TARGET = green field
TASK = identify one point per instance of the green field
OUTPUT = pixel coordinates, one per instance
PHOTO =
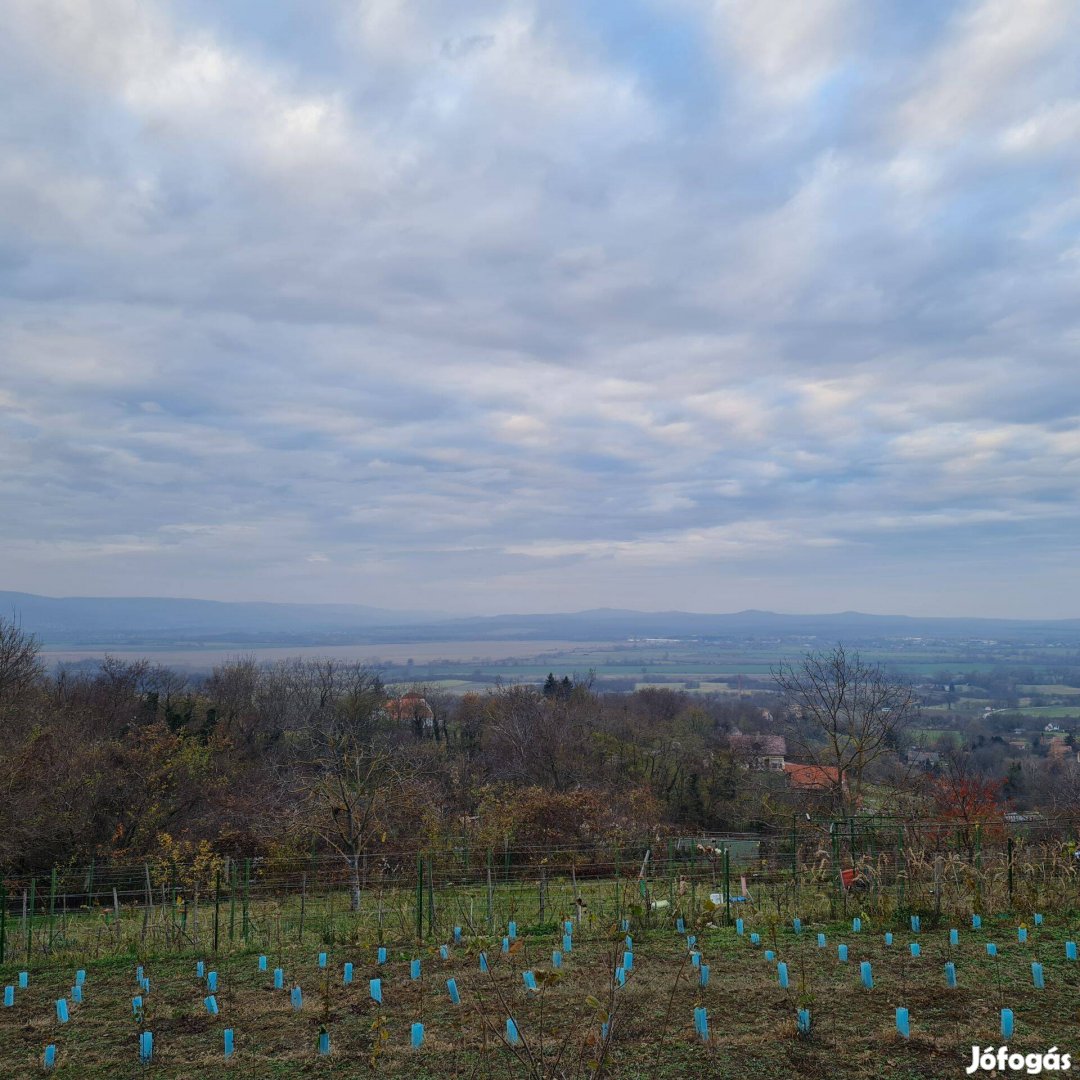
(1049, 712)
(471, 665)
(928, 736)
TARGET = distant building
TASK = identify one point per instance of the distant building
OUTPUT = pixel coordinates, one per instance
(413, 709)
(925, 759)
(1058, 747)
(812, 777)
(759, 752)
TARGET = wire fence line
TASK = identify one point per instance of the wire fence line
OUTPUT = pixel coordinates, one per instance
(431, 893)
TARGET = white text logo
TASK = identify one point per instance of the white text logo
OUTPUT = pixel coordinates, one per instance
(989, 1058)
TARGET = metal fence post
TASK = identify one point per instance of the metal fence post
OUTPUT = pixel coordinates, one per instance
(1010, 858)
(431, 895)
(30, 919)
(217, 905)
(727, 882)
(420, 897)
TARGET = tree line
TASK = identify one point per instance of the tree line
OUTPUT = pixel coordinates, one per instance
(131, 759)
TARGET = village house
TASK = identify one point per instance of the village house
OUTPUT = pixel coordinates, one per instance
(411, 708)
(925, 759)
(812, 777)
(759, 752)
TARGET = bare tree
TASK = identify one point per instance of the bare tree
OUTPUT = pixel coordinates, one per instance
(348, 779)
(20, 663)
(533, 739)
(232, 691)
(844, 717)
(347, 800)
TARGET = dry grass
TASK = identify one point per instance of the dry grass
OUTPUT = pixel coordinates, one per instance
(752, 1020)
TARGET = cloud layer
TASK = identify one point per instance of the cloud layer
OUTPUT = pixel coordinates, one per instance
(538, 305)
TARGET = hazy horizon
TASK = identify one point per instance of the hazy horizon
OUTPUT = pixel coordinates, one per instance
(421, 614)
(526, 307)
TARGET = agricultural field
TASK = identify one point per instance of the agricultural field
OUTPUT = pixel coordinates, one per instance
(752, 1019)
(695, 686)
(793, 980)
(465, 665)
(1049, 712)
(930, 736)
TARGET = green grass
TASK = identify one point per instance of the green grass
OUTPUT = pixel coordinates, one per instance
(1051, 712)
(700, 687)
(928, 736)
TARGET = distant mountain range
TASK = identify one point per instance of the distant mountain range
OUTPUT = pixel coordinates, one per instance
(129, 621)
(106, 619)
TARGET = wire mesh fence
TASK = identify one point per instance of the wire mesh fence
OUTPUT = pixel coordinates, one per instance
(431, 893)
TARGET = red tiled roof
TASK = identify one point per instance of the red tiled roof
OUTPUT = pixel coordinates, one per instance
(409, 707)
(812, 777)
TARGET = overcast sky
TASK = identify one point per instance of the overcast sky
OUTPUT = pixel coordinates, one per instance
(483, 307)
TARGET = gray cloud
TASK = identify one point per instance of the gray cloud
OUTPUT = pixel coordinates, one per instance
(501, 306)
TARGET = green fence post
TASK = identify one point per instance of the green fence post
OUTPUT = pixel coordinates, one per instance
(837, 871)
(671, 876)
(618, 887)
(217, 905)
(901, 868)
(1010, 858)
(232, 900)
(30, 919)
(303, 907)
(3, 922)
(173, 890)
(247, 892)
(431, 896)
(727, 882)
(420, 897)
(693, 878)
(490, 893)
(52, 905)
(794, 853)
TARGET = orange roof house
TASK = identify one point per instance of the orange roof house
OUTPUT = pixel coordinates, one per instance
(411, 707)
(812, 777)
